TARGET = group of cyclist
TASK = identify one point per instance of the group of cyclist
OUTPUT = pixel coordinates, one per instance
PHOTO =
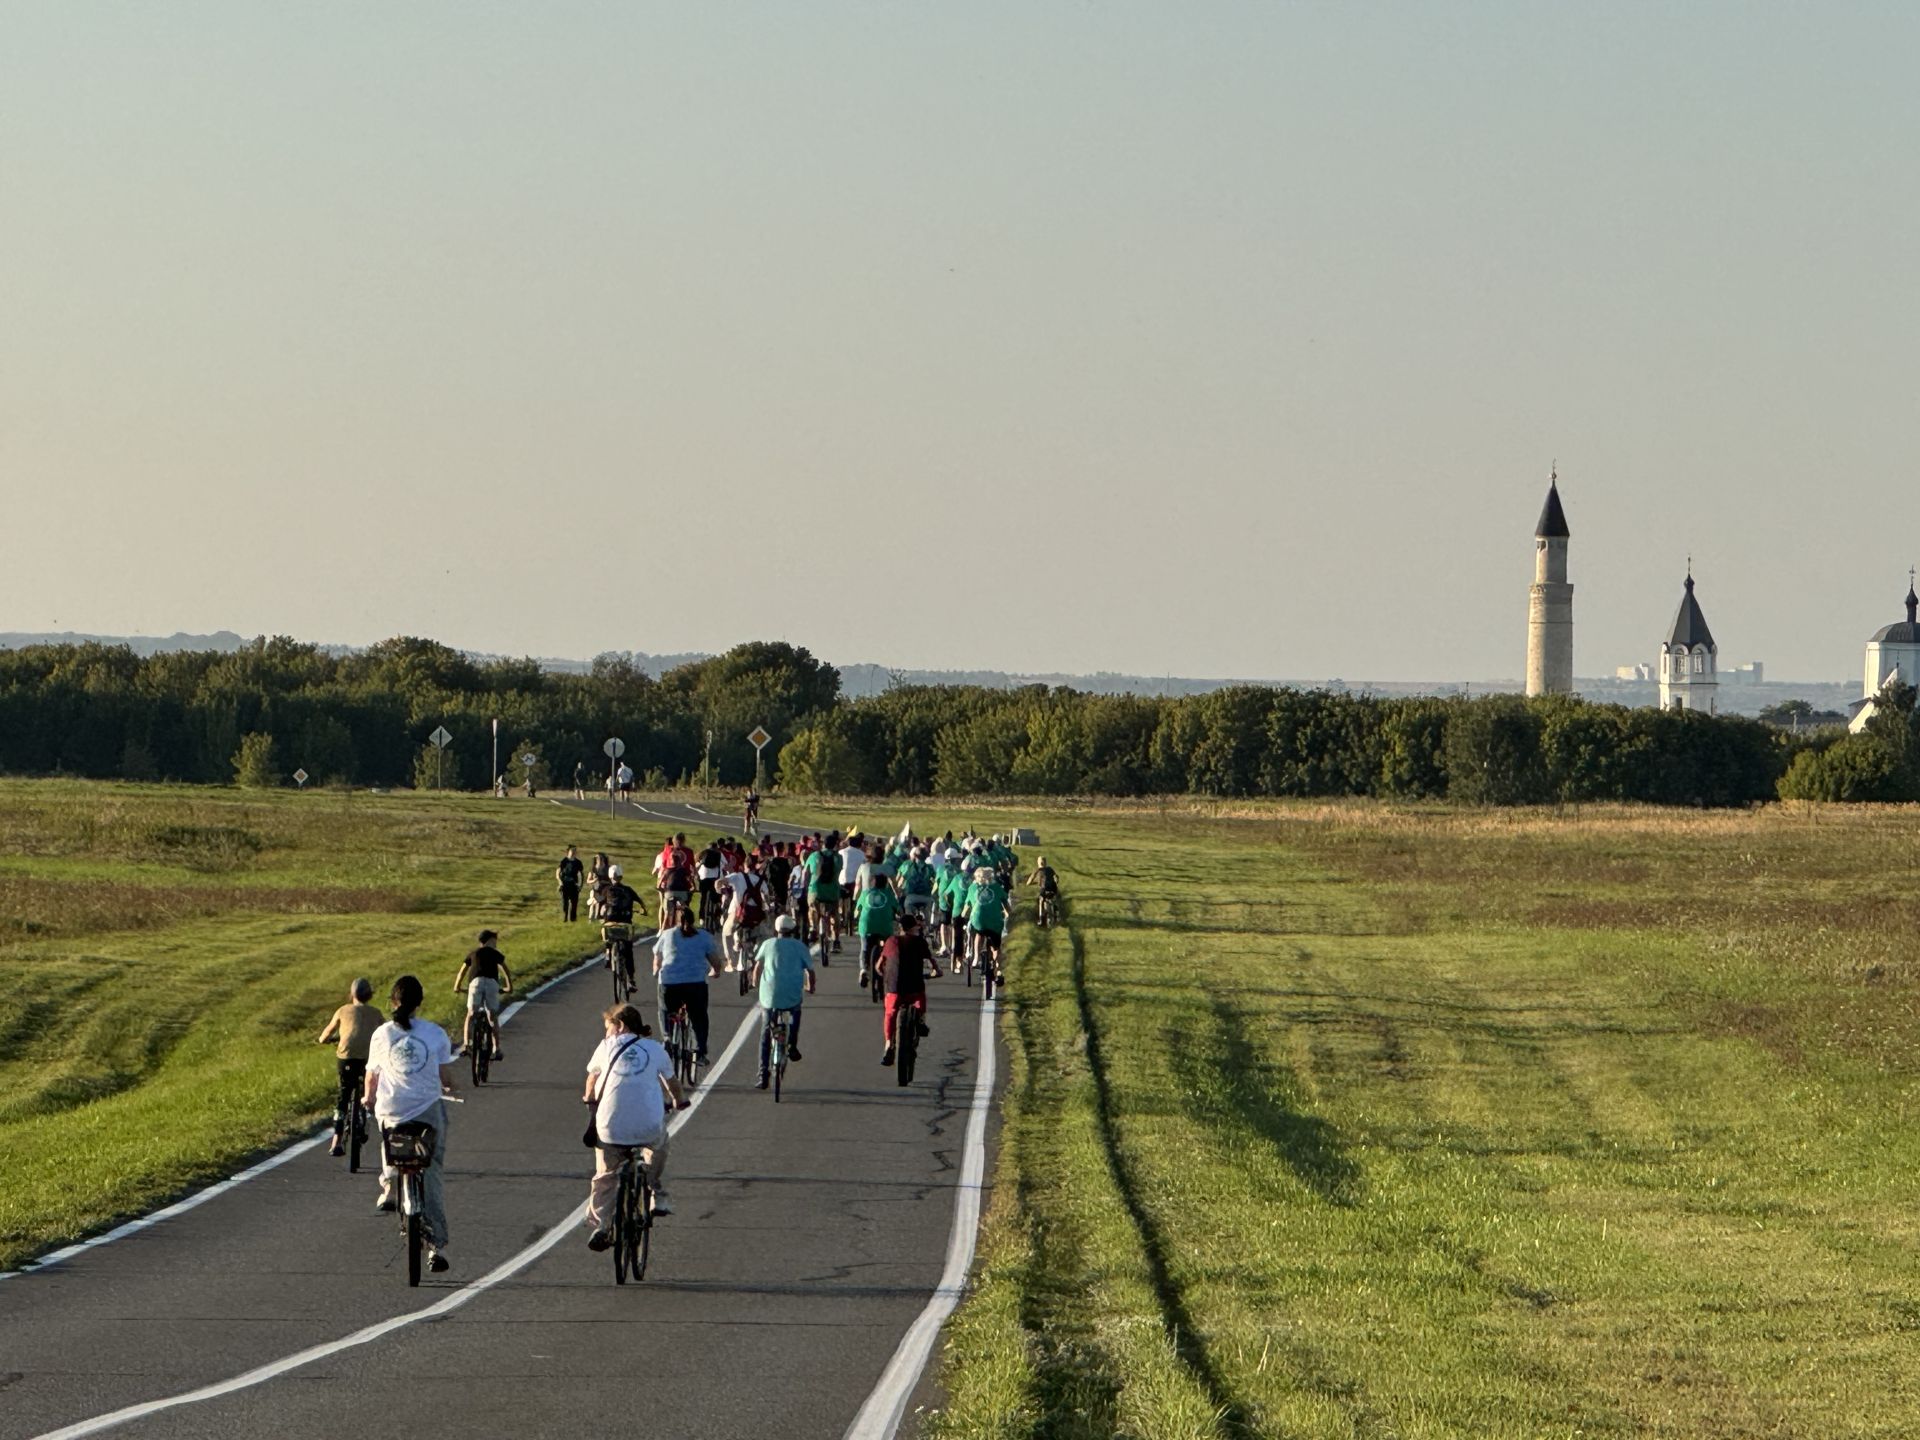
(771, 909)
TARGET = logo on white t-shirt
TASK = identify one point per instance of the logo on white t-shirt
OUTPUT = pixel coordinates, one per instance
(408, 1055)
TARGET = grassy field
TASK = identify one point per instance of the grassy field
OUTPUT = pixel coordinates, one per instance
(1375, 1123)
(169, 954)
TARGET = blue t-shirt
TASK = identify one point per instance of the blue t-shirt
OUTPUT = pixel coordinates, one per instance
(683, 958)
(784, 963)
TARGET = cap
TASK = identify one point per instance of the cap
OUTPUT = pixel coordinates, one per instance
(786, 925)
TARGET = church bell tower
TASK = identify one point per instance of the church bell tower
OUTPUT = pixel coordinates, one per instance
(1550, 602)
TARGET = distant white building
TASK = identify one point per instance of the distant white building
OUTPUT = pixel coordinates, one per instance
(1687, 661)
(1633, 672)
(1892, 654)
(1754, 674)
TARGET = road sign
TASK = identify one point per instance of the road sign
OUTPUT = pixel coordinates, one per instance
(528, 759)
(300, 778)
(440, 737)
(615, 749)
(758, 737)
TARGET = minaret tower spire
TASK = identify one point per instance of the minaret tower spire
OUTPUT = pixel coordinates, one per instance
(1550, 602)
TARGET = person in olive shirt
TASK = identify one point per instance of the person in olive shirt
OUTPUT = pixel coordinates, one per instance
(569, 874)
(485, 977)
(351, 1029)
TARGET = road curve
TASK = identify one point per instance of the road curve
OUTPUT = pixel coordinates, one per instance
(807, 1239)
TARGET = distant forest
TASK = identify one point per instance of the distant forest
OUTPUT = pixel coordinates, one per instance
(273, 706)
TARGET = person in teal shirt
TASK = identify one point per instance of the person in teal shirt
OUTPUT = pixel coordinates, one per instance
(783, 969)
(985, 912)
(915, 879)
(874, 913)
(952, 890)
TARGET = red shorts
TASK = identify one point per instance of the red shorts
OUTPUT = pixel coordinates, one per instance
(918, 1002)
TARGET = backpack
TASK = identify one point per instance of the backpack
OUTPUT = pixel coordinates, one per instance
(753, 905)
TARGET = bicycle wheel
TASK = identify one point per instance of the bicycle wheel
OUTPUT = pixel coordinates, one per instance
(744, 970)
(613, 965)
(357, 1134)
(416, 1234)
(622, 1224)
(989, 972)
(482, 1049)
(966, 962)
(906, 1031)
(641, 1243)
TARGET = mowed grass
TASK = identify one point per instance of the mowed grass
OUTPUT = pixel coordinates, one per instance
(1361, 1122)
(169, 953)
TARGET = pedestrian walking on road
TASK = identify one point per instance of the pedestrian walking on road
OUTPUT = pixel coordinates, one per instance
(569, 874)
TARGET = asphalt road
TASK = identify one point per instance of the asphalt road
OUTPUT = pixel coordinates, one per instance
(807, 1237)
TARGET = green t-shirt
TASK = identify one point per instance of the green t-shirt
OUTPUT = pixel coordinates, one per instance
(916, 877)
(986, 906)
(953, 889)
(874, 912)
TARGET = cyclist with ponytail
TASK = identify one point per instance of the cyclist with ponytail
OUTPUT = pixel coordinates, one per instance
(409, 1067)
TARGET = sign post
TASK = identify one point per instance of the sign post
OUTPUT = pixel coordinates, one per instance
(300, 778)
(441, 739)
(758, 738)
(496, 755)
(615, 749)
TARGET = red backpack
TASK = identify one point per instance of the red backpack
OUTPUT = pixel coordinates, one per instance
(753, 905)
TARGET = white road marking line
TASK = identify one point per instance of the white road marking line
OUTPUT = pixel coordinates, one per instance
(506, 1270)
(252, 1172)
(880, 1417)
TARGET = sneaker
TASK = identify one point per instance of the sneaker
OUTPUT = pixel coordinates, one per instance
(660, 1205)
(437, 1263)
(793, 1052)
(923, 1030)
(761, 1083)
(336, 1148)
(701, 1058)
(600, 1240)
(498, 1057)
(887, 1058)
(386, 1204)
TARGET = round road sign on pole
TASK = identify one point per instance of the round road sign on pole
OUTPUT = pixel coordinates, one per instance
(615, 749)
(528, 759)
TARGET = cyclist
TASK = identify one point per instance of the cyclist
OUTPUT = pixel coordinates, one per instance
(630, 1085)
(675, 869)
(875, 913)
(915, 879)
(853, 854)
(778, 868)
(618, 902)
(569, 873)
(905, 963)
(707, 872)
(351, 1029)
(1043, 875)
(485, 977)
(823, 887)
(684, 957)
(783, 971)
(750, 904)
(752, 811)
(409, 1067)
(985, 912)
(953, 899)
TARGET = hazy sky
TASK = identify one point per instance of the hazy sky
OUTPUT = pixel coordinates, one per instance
(1218, 339)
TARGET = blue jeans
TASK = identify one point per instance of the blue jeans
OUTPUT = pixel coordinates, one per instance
(766, 1037)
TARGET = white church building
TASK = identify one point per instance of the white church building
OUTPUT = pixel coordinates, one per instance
(1892, 654)
(1689, 659)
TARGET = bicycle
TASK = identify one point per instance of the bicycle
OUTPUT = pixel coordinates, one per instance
(990, 977)
(356, 1131)
(409, 1150)
(1047, 914)
(618, 939)
(632, 1221)
(681, 1046)
(778, 1031)
(905, 1040)
(480, 1047)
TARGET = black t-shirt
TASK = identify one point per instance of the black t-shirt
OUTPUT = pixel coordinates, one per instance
(616, 901)
(779, 873)
(903, 963)
(1049, 883)
(484, 963)
(571, 869)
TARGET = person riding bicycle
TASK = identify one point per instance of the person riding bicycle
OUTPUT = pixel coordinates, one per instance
(410, 1065)
(750, 908)
(708, 867)
(684, 957)
(484, 977)
(953, 899)
(823, 891)
(675, 868)
(351, 1029)
(630, 1085)
(905, 962)
(618, 902)
(876, 911)
(985, 913)
(783, 972)
(1043, 875)
(915, 878)
(752, 814)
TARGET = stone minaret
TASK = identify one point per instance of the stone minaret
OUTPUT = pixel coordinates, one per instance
(1550, 603)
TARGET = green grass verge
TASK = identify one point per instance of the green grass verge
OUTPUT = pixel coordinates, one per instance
(1356, 1122)
(170, 952)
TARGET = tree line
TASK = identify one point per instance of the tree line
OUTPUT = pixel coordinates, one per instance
(364, 718)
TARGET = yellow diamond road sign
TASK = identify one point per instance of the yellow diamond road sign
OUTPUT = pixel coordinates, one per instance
(758, 738)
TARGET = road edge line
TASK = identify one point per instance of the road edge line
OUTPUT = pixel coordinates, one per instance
(505, 1270)
(886, 1406)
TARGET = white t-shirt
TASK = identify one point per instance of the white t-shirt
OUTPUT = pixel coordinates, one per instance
(632, 1108)
(407, 1063)
(851, 859)
(739, 881)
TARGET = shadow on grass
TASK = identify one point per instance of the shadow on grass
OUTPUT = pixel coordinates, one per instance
(1240, 1091)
